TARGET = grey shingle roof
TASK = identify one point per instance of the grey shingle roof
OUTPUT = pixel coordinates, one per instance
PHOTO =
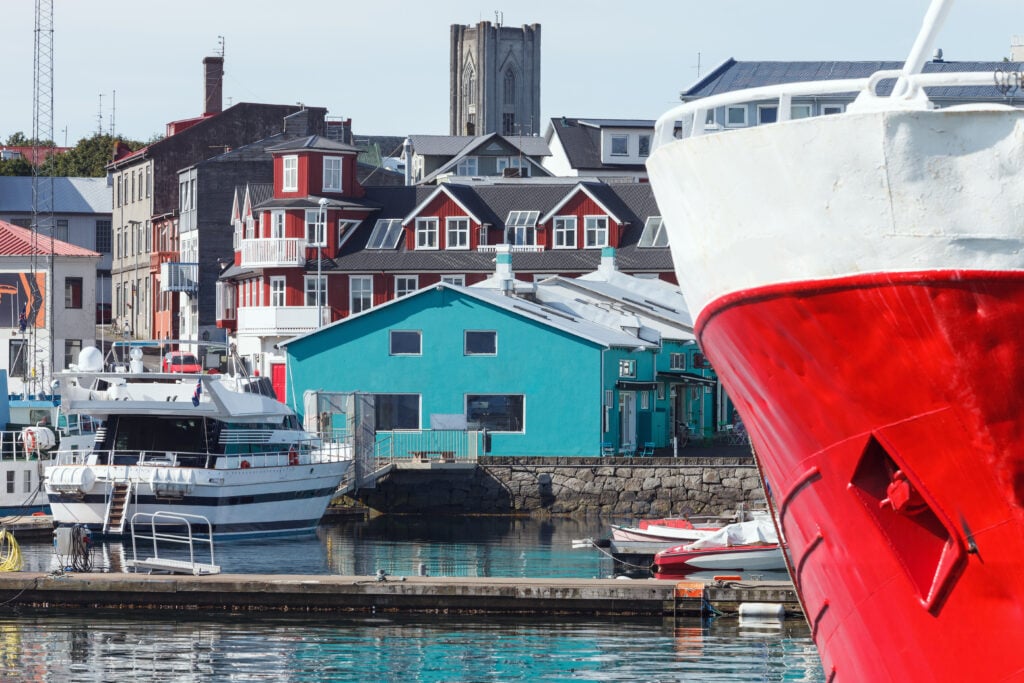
(581, 140)
(313, 142)
(733, 75)
(491, 203)
(450, 145)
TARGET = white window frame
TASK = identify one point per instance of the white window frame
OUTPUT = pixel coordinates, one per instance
(467, 166)
(654, 234)
(524, 227)
(642, 140)
(316, 232)
(459, 280)
(563, 227)
(277, 224)
(364, 289)
(457, 227)
(514, 162)
(332, 174)
(311, 290)
(277, 290)
(346, 226)
(406, 285)
(729, 111)
(627, 367)
(591, 225)
(767, 107)
(827, 109)
(617, 139)
(426, 233)
(800, 111)
(290, 173)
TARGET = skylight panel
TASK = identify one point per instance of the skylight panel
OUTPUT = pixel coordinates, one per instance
(386, 233)
(654, 234)
(522, 219)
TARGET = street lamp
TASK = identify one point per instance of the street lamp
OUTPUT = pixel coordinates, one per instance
(320, 239)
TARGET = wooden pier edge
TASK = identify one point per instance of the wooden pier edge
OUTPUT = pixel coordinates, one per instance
(316, 593)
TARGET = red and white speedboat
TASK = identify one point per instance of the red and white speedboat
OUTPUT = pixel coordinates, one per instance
(857, 282)
(745, 546)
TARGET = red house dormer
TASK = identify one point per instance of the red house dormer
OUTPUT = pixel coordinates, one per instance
(315, 166)
(444, 220)
(584, 219)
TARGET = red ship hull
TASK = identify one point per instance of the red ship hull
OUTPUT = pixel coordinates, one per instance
(887, 411)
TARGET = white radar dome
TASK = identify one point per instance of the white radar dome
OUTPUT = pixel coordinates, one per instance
(90, 359)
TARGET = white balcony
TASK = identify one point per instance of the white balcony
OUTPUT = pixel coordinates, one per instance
(279, 320)
(273, 252)
(179, 277)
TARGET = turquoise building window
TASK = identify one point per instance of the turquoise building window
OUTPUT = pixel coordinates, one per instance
(406, 343)
(481, 343)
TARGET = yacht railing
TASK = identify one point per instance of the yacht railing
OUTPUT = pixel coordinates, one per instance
(162, 526)
(689, 118)
(303, 453)
(909, 86)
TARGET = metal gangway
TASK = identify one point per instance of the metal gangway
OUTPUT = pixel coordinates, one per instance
(157, 535)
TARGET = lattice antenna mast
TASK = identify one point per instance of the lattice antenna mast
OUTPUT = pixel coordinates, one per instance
(40, 304)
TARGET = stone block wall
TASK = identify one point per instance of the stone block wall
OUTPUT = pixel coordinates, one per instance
(610, 487)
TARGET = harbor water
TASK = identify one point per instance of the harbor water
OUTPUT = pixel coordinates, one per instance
(245, 646)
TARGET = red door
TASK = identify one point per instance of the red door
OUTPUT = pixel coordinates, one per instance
(277, 379)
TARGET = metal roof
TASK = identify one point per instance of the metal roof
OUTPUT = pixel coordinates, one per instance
(70, 195)
(18, 241)
(561, 320)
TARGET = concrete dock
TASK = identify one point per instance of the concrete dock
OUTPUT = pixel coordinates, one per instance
(273, 592)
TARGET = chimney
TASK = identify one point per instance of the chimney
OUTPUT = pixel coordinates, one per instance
(297, 124)
(213, 85)
(503, 269)
(407, 157)
(607, 266)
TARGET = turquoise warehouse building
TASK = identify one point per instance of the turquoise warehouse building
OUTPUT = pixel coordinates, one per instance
(539, 379)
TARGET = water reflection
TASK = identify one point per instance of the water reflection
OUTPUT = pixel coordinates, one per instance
(83, 646)
(104, 646)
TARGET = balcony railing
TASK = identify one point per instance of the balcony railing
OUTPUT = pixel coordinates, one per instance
(280, 320)
(179, 277)
(514, 248)
(273, 252)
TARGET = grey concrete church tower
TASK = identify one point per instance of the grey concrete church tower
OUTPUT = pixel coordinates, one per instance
(495, 80)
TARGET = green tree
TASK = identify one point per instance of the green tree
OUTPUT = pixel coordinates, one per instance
(16, 166)
(88, 158)
(19, 140)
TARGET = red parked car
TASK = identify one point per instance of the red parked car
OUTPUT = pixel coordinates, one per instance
(181, 361)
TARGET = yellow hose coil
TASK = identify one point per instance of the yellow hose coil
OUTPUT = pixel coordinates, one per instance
(10, 552)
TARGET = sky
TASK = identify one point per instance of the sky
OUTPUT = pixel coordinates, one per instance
(133, 66)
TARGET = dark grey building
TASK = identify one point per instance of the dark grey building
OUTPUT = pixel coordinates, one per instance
(495, 80)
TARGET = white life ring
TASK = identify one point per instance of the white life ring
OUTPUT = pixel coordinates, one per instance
(29, 437)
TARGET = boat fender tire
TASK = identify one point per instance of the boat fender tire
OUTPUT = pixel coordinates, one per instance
(244, 465)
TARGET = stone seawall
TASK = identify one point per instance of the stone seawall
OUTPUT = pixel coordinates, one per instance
(620, 487)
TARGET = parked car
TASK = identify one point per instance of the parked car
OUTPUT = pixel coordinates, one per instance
(181, 361)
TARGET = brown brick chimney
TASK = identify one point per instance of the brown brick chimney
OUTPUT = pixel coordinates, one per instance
(213, 87)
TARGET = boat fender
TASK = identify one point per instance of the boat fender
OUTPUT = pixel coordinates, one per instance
(763, 610)
(244, 465)
(293, 457)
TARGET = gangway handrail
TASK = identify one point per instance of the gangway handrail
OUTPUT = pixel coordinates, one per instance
(166, 564)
